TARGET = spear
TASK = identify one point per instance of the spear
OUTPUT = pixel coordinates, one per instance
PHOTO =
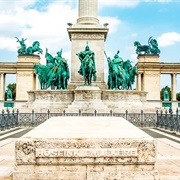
(106, 55)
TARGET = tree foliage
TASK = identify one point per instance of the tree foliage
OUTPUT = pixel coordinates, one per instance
(162, 92)
(178, 96)
(12, 87)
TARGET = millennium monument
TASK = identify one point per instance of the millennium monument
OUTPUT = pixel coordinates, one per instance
(87, 90)
(85, 148)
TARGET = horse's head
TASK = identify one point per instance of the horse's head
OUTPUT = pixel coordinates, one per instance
(137, 43)
(36, 44)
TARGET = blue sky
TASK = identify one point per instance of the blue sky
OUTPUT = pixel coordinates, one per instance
(129, 21)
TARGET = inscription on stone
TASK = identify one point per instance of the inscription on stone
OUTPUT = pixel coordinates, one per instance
(122, 152)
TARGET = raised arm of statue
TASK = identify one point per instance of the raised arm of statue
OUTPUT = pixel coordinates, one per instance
(22, 49)
(21, 41)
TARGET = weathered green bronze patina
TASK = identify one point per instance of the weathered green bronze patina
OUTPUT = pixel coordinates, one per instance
(30, 50)
(87, 67)
(151, 48)
(166, 95)
(22, 49)
(34, 48)
(8, 104)
(9, 94)
(121, 74)
(55, 73)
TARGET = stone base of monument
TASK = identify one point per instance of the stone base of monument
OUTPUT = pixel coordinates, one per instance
(53, 100)
(122, 100)
(88, 99)
(88, 148)
(73, 85)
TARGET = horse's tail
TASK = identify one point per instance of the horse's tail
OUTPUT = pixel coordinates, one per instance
(94, 77)
(149, 41)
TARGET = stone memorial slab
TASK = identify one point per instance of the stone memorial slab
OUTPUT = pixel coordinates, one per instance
(85, 148)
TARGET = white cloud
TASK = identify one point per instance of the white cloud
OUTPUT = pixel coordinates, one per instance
(133, 57)
(120, 3)
(8, 43)
(127, 3)
(168, 39)
(134, 35)
(10, 6)
(114, 23)
(160, 1)
(49, 26)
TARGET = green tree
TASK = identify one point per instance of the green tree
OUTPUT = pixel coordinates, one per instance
(162, 92)
(12, 87)
(178, 96)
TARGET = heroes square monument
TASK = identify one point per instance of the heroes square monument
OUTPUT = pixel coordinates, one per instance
(85, 148)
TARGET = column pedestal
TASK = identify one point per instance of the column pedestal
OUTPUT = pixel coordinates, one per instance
(87, 29)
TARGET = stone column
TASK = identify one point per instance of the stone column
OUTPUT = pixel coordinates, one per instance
(139, 82)
(173, 87)
(88, 12)
(150, 79)
(25, 79)
(2, 86)
(87, 29)
(37, 86)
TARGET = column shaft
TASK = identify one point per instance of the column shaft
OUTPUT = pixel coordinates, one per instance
(88, 12)
(139, 82)
(2, 86)
(173, 86)
(37, 86)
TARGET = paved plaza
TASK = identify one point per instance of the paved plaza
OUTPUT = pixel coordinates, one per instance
(168, 156)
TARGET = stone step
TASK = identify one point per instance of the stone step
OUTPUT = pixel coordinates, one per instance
(88, 106)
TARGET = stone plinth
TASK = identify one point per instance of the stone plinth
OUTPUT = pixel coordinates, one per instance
(85, 148)
(87, 99)
(122, 100)
(88, 29)
(29, 59)
(54, 100)
(149, 72)
(25, 76)
(148, 58)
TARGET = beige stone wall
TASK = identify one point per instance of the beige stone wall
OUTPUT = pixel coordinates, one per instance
(25, 82)
(151, 84)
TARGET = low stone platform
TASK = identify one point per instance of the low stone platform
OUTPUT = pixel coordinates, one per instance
(87, 99)
(54, 100)
(85, 149)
